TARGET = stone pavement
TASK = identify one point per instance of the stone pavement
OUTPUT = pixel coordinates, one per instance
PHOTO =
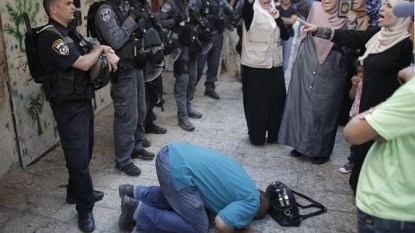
(33, 199)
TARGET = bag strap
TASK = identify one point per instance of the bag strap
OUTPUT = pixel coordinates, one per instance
(314, 204)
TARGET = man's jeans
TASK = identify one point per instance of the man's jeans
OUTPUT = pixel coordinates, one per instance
(286, 51)
(164, 209)
(370, 224)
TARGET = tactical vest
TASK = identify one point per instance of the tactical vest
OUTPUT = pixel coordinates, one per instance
(130, 50)
(70, 84)
(211, 10)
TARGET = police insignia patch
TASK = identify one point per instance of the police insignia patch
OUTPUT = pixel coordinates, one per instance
(105, 14)
(165, 8)
(60, 47)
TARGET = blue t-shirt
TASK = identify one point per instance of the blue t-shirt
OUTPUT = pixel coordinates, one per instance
(226, 188)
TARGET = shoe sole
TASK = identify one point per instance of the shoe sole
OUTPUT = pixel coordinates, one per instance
(124, 213)
(189, 130)
(129, 174)
(157, 131)
(320, 161)
(195, 117)
(213, 97)
(345, 171)
(143, 158)
(295, 153)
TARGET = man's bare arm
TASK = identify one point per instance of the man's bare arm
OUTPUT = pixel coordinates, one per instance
(223, 228)
(358, 131)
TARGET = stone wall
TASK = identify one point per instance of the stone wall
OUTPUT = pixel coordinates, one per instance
(28, 127)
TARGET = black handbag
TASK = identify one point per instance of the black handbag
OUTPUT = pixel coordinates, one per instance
(285, 209)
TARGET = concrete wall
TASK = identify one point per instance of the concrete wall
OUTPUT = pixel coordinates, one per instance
(28, 127)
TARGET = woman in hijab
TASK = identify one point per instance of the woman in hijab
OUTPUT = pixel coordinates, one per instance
(357, 19)
(388, 50)
(263, 82)
(309, 122)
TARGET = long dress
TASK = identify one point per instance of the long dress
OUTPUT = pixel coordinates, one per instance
(314, 97)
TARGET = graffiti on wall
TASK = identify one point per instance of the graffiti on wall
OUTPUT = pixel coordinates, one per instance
(36, 108)
(16, 16)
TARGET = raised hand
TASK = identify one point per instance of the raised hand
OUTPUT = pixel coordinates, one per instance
(308, 27)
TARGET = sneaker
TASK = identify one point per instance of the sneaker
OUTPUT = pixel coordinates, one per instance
(142, 154)
(186, 125)
(212, 94)
(347, 168)
(131, 169)
(153, 128)
(126, 221)
(126, 190)
(146, 143)
(194, 114)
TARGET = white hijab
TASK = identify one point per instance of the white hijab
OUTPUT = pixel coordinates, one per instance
(389, 36)
(259, 10)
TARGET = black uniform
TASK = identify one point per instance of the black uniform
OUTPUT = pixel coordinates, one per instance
(174, 16)
(70, 94)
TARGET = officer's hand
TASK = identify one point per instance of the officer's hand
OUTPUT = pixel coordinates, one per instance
(112, 60)
(135, 14)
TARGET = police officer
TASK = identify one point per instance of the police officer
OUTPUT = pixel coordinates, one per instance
(154, 88)
(174, 16)
(69, 92)
(214, 11)
(117, 22)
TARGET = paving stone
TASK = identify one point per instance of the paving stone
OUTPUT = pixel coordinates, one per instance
(33, 199)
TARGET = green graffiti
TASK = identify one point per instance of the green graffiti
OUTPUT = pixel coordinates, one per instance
(36, 108)
(16, 15)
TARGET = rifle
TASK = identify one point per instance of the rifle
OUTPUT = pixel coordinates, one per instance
(35, 67)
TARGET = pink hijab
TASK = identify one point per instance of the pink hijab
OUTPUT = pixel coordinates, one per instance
(329, 19)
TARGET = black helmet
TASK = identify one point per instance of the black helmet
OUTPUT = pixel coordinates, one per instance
(99, 73)
(153, 48)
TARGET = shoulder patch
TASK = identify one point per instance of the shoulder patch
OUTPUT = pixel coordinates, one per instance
(105, 14)
(165, 8)
(60, 47)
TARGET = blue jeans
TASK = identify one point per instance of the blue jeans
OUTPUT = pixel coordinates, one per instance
(128, 96)
(370, 224)
(286, 50)
(165, 209)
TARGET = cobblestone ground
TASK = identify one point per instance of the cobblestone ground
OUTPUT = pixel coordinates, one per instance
(33, 199)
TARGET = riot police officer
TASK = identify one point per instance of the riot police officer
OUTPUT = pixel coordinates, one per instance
(117, 23)
(174, 15)
(214, 11)
(153, 88)
(67, 88)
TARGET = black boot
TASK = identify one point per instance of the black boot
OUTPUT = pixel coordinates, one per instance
(86, 222)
